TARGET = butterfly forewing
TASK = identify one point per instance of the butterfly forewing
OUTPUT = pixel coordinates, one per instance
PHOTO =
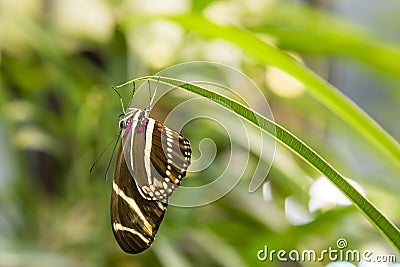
(135, 220)
(129, 130)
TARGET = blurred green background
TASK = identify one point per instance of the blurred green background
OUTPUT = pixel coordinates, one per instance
(58, 61)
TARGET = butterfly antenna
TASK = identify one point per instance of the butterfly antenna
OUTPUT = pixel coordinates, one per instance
(148, 108)
(152, 96)
(133, 88)
(101, 154)
(112, 156)
(120, 99)
(133, 93)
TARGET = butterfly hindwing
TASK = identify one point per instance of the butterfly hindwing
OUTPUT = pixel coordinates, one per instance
(135, 220)
(157, 156)
(170, 157)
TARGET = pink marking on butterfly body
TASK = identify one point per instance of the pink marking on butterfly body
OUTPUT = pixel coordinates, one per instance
(128, 128)
(144, 123)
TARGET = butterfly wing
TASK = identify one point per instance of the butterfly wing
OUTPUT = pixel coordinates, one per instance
(135, 220)
(157, 156)
(170, 157)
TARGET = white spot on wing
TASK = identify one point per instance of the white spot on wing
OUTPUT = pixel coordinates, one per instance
(161, 206)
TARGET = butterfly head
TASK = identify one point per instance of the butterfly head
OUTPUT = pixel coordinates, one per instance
(133, 115)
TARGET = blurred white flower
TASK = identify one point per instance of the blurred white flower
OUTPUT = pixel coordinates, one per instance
(267, 194)
(223, 52)
(376, 264)
(160, 6)
(223, 12)
(281, 83)
(91, 19)
(340, 264)
(158, 43)
(323, 193)
(296, 213)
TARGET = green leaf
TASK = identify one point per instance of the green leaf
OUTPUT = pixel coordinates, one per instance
(383, 224)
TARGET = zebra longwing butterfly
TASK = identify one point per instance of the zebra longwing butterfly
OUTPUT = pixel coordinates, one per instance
(151, 162)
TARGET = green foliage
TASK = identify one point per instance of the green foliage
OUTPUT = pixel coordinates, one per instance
(58, 61)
